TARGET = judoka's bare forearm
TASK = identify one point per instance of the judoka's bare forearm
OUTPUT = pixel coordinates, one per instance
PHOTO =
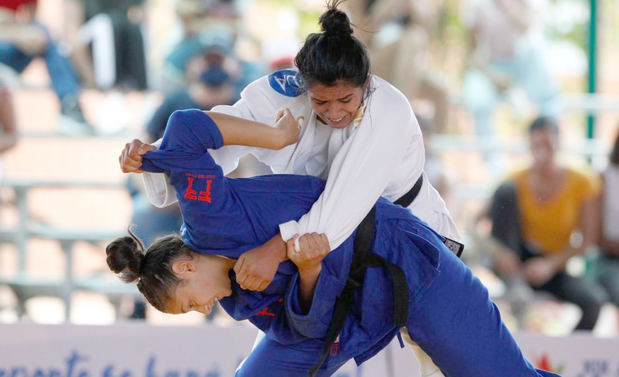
(239, 131)
(307, 284)
(307, 255)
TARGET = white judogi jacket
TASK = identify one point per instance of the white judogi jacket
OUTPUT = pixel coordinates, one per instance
(381, 153)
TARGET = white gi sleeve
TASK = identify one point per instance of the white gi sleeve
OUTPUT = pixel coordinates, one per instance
(158, 190)
(363, 168)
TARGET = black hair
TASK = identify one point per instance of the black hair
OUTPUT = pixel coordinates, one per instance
(545, 123)
(151, 268)
(614, 153)
(334, 54)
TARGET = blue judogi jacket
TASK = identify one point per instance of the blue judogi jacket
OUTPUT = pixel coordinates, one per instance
(228, 216)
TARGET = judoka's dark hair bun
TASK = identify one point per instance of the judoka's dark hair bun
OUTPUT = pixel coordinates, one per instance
(335, 54)
(334, 22)
(124, 258)
(152, 268)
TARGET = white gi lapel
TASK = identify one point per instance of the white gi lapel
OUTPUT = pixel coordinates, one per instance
(300, 107)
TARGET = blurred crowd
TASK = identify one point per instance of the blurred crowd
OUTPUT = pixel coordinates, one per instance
(537, 221)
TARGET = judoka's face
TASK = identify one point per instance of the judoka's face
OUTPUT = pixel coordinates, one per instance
(204, 279)
(336, 104)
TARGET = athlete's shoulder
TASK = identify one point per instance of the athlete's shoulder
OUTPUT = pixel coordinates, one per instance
(286, 82)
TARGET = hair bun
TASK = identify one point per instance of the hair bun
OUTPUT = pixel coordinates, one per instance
(124, 258)
(335, 22)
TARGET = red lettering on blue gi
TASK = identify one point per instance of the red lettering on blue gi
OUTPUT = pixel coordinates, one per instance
(265, 312)
(193, 194)
(335, 349)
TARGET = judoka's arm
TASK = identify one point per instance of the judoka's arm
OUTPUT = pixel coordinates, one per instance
(255, 104)
(308, 259)
(312, 293)
(234, 131)
(239, 131)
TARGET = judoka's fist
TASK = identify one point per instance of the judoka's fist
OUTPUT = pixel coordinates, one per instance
(131, 157)
(289, 127)
(309, 251)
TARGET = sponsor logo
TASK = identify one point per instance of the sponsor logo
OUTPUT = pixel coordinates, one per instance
(544, 363)
(286, 82)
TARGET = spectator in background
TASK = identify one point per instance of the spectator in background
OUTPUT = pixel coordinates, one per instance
(207, 25)
(113, 29)
(107, 40)
(607, 266)
(397, 33)
(8, 135)
(504, 55)
(534, 215)
(22, 39)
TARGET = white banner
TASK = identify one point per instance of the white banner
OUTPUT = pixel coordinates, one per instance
(578, 355)
(141, 350)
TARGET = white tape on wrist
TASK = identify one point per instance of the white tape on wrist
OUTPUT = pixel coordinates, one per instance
(297, 247)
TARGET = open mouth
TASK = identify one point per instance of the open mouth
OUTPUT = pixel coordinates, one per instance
(337, 120)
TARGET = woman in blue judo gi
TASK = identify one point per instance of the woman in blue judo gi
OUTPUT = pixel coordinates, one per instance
(447, 312)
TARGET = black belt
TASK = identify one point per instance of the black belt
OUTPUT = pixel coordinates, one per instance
(362, 259)
(408, 198)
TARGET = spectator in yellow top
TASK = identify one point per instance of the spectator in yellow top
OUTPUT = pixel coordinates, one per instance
(534, 216)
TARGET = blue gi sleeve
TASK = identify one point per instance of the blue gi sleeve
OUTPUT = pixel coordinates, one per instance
(191, 131)
(315, 322)
(188, 136)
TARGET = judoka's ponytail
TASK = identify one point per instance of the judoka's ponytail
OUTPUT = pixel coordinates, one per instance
(335, 54)
(151, 268)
